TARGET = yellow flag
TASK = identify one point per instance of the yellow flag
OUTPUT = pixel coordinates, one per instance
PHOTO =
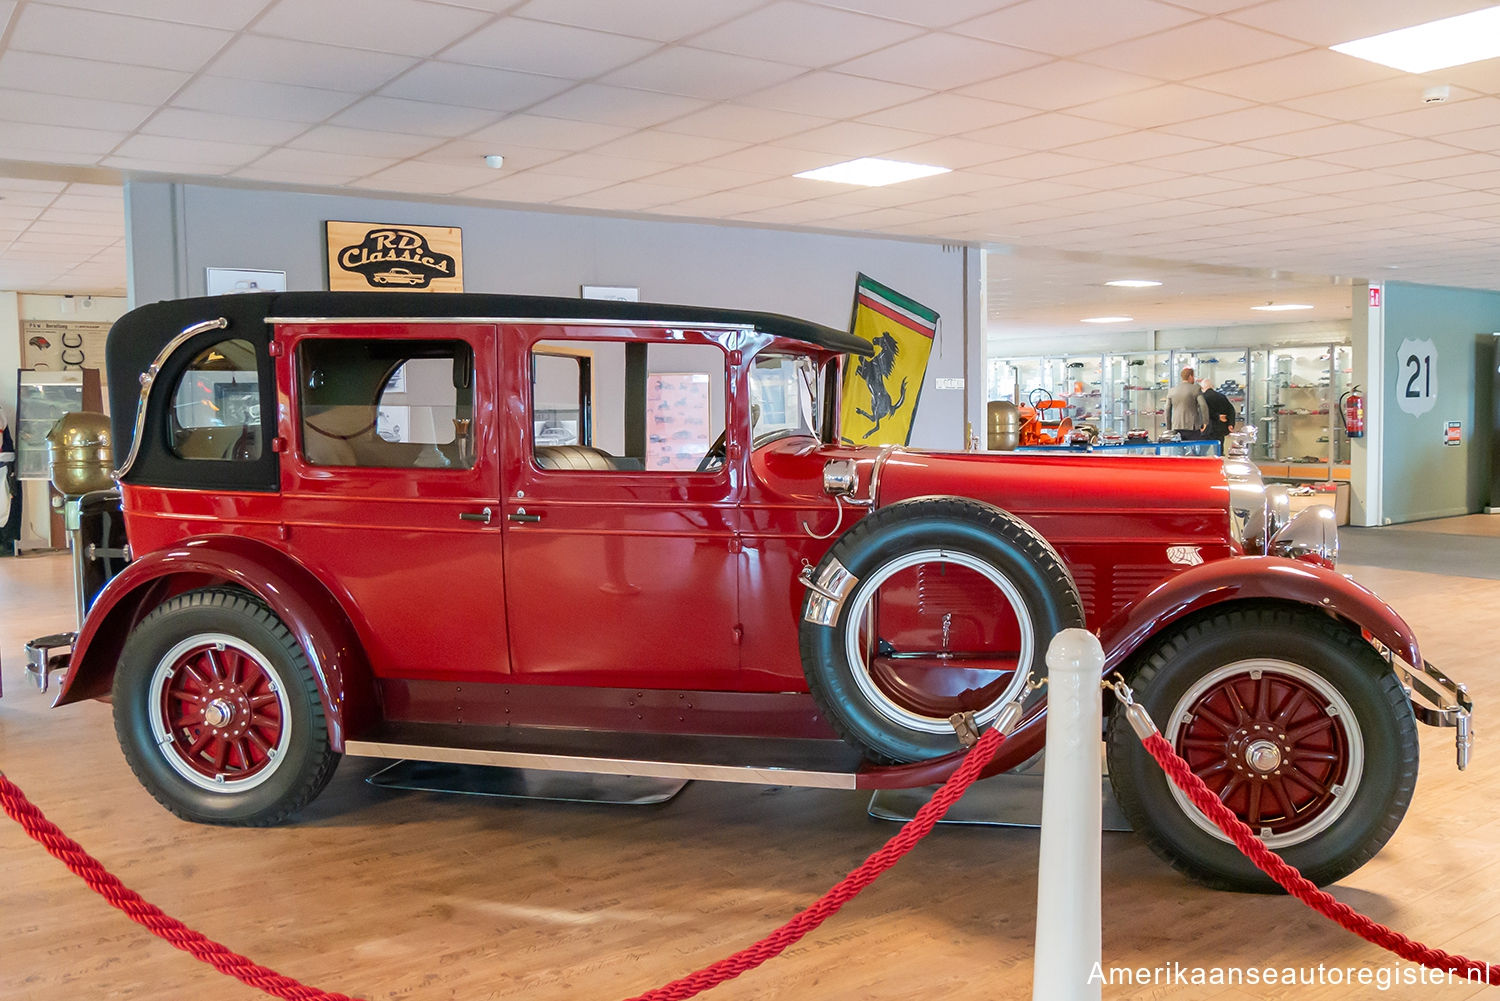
(880, 393)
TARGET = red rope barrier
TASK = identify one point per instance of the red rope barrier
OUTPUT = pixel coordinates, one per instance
(91, 871)
(1298, 885)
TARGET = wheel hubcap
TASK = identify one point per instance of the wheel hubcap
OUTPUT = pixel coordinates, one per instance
(219, 712)
(1276, 742)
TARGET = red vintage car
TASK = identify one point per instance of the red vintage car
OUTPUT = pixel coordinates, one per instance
(626, 537)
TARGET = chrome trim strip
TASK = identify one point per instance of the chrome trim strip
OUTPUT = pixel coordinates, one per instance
(1312, 535)
(802, 778)
(149, 376)
(538, 320)
(1449, 704)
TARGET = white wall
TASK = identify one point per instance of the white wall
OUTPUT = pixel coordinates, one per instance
(175, 231)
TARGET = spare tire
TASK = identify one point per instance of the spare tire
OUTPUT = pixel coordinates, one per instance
(947, 605)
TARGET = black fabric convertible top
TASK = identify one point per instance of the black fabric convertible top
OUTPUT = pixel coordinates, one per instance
(139, 336)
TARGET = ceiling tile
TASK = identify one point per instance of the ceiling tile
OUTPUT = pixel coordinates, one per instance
(1117, 176)
(709, 178)
(306, 64)
(653, 144)
(1441, 119)
(54, 109)
(421, 118)
(772, 160)
(803, 34)
(632, 196)
(63, 31)
(733, 121)
(854, 139)
(548, 133)
(1209, 46)
(1282, 171)
(1038, 166)
(57, 138)
(613, 169)
(426, 178)
(833, 95)
(1422, 157)
(168, 148)
(338, 139)
(1134, 146)
(1336, 21)
(173, 165)
(663, 20)
(1214, 158)
(1325, 139)
(474, 86)
(700, 73)
(1060, 84)
(1048, 131)
(940, 61)
(1067, 27)
(953, 152)
(263, 100)
(947, 114)
(552, 49)
(617, 106)
(1248, 123)
(1385, 97)
(185, 123)
(32, 71)
(724, 203)
(929, 15)
(1159, 106)
(469, 154)
(407, 27)
(345, 165)
(1485, 140)
(1313, 71)
(231, 14)
(534, 186)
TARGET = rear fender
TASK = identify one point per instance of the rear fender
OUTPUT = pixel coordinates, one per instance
(313, 615)
(1255, 578)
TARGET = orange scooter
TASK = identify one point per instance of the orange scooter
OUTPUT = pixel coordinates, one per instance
(1039, 430)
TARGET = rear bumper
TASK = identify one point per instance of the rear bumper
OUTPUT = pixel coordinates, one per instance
(1438, 700)
(42, 663)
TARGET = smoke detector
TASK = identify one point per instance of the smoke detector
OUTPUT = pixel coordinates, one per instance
(1435, 95)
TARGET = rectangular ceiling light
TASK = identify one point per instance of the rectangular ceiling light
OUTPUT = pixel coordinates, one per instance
(872, 172)
(1436, 45)
(1282, 307)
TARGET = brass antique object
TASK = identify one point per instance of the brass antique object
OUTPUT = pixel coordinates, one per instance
(82, 460)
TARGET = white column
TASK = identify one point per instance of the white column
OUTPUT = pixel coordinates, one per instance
(1069, 936)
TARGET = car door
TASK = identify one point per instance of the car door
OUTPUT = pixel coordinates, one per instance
(391, 490)
(620, 526)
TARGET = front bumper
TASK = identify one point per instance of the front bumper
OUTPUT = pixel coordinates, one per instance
(1443, 702)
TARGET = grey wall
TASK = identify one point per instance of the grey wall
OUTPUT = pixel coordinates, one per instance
(175, 231)
(1421, 477)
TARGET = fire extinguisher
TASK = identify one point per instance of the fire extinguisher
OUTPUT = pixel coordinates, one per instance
(1352, 413)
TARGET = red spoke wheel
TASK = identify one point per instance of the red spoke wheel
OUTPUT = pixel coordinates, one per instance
(218, 711)
(1293, 719)
(1275, 741)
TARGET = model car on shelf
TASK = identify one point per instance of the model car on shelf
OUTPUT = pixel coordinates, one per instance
(783, 608)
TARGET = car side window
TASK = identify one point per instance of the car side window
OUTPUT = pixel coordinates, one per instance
(386, 403)
(627, 406)
(216, 405)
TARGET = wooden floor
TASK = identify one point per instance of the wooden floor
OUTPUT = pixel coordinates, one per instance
(390, 895)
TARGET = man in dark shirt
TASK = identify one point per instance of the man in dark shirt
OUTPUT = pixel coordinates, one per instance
(1221, 414)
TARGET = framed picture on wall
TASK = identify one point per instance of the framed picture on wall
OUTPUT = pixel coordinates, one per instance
(678, 406)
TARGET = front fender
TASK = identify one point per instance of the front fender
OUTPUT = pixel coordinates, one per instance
(1256, 578)
(307, 608)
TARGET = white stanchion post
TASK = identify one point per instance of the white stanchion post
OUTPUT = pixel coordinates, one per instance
(1069, 934)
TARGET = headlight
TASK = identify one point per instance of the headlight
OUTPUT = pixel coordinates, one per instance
(1256, 511)
(1313, 536)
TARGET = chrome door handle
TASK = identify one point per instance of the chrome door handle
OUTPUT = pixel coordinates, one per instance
(482, 517)
(520, 515)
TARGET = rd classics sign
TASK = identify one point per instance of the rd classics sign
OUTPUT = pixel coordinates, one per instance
(363, 256)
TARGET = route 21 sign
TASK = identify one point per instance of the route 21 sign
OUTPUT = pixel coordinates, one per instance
(1416, 376)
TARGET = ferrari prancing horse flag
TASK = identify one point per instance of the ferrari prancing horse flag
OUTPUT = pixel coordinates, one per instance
(881, 392)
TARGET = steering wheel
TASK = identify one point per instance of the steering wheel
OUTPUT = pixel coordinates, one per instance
(714, 457)
(1031, 397)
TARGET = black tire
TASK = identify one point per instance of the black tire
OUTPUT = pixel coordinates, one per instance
(1345, 712)
(871, 711)
(258, 750)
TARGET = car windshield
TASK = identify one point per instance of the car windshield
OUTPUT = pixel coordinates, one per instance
(783, 395)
